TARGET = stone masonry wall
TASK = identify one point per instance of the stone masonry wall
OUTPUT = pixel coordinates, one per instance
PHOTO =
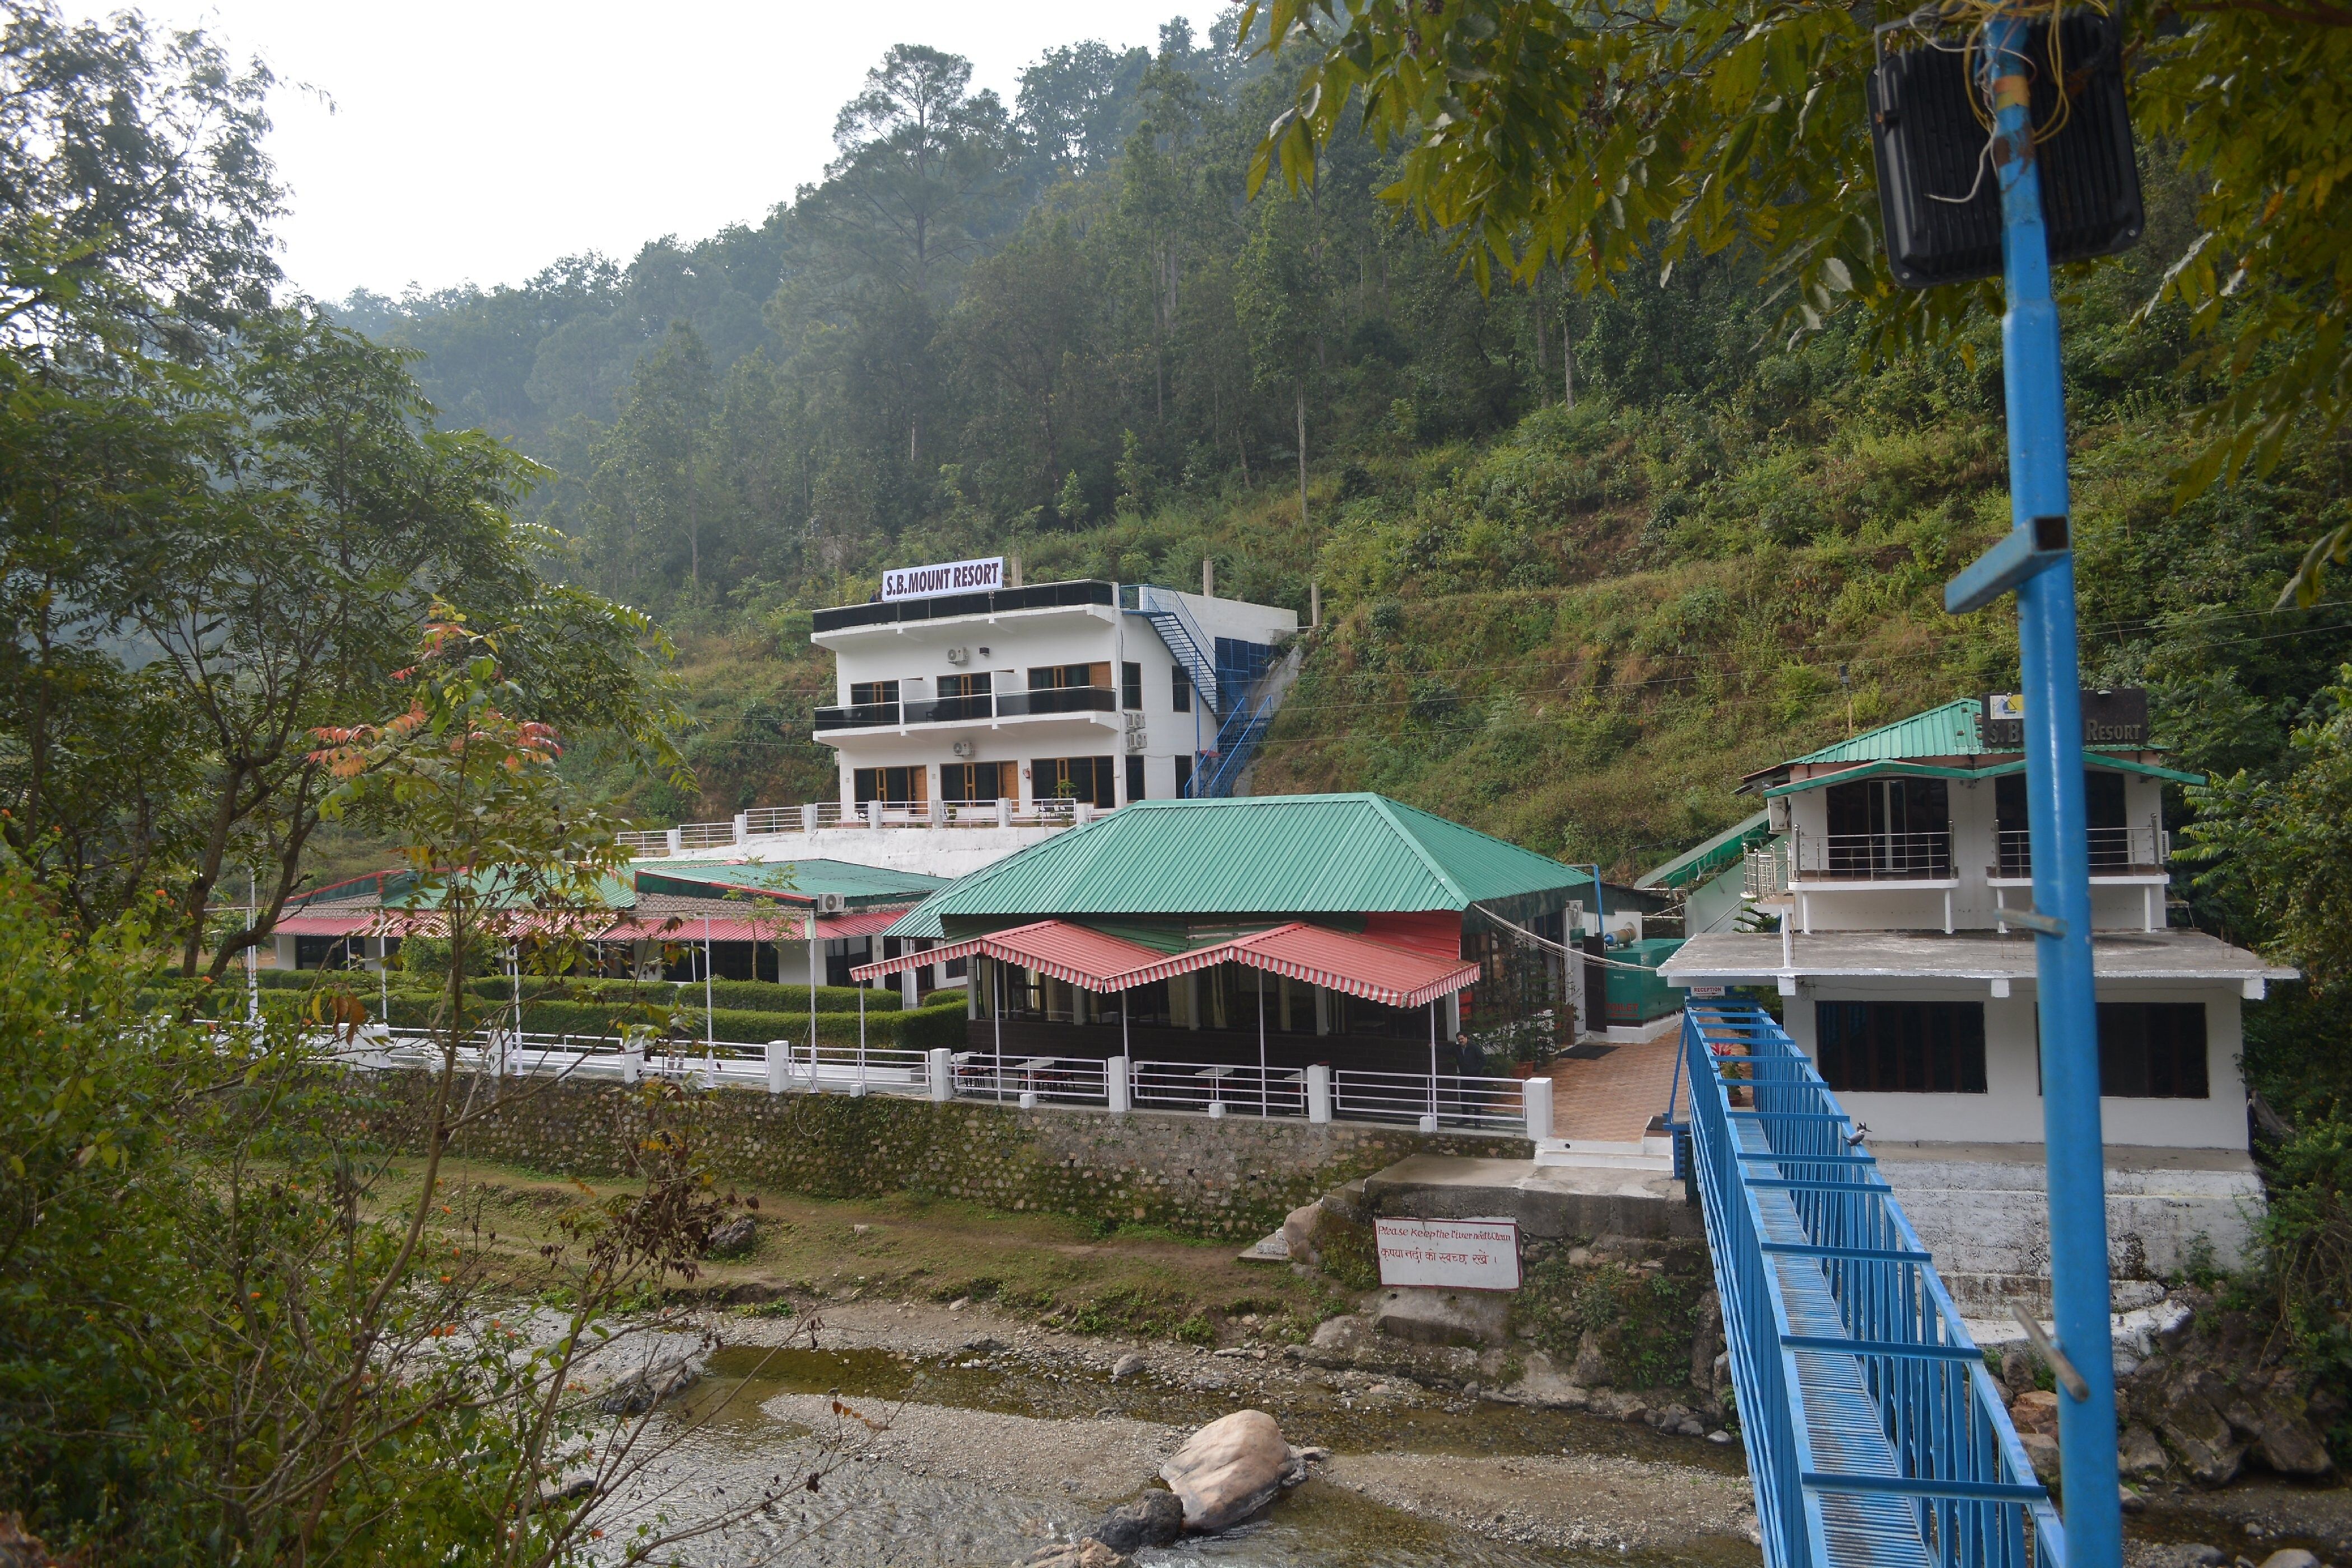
(1233, 1177)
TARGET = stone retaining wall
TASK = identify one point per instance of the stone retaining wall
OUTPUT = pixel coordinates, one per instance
(1235, 1176)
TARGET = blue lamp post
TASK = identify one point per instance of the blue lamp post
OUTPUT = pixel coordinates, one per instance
(2035, 560)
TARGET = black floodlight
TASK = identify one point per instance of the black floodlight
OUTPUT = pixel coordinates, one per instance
(1930, 144)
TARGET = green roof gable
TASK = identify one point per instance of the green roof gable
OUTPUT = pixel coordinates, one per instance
(1262, 854)
(1947, 731)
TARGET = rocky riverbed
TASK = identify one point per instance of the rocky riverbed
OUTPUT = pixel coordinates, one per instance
(964, 1437)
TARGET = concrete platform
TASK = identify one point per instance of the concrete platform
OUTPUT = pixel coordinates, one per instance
(1550, 1202)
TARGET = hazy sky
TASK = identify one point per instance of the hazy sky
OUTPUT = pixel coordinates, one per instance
(481, 140)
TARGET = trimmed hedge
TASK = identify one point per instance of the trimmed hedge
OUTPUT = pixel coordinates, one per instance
(924, 1028)
(739, 996)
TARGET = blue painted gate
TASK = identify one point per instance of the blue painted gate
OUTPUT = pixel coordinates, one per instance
(1874, 1433)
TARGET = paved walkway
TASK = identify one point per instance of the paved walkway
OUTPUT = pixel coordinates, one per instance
(1611, 1099)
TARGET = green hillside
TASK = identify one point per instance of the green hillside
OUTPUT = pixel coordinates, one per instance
(1575, 626)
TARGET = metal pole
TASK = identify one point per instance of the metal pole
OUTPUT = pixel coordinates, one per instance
(709, 1023)
(2051, 683)
(861, 1039)
(999, 1070)
(1433, 1061)
(1264, 1100)
(816, 978)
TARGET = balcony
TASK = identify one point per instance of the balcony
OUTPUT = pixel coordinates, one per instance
(983, 709)
(1850, 859)
(2120, 854)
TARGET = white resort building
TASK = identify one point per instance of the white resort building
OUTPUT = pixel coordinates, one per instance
(1888, 860)
(1062, 693)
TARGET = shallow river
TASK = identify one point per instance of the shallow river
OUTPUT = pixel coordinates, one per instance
(982, 1464)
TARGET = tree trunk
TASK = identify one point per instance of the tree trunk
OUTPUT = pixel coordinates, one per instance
(1302, 455)
(1567, 361)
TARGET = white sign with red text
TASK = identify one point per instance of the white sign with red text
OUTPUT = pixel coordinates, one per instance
(948, 577)
(1451, 1254)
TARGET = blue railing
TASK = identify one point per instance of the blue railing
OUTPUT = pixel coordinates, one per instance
(1237, 739)
(1874, 1433)
(1193, 648)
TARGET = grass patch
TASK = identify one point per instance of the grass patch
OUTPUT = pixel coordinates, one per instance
(1136, 1281)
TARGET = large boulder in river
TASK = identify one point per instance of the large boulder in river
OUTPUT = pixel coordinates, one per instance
(1232, 1468)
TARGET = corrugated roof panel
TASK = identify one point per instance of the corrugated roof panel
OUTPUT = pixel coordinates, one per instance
(1695, 863)
(1947, 731)
(1336, 960)
(1275, 854)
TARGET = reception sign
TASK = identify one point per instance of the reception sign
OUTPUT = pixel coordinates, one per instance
(1450, 1254)
(948, 577)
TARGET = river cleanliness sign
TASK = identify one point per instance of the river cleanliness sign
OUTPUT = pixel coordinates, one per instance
(948, 577)
(1450, 1254)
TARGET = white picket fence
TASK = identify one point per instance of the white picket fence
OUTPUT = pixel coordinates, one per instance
(1316, 1094)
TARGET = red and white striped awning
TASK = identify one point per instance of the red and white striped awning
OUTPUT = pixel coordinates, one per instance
(1337, 960)
(1075, 955)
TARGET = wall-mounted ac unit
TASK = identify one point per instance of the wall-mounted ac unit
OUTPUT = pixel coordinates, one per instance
(831, 903)
(961, 749)
(958, 655)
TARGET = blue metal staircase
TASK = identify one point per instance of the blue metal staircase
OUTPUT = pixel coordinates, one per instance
(1237, 740)
(1193, 648)
(1874, 1435)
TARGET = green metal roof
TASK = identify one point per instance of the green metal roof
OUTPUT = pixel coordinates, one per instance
(1947, 731)
(791, 881)
(1698, 865)
(1262, 854)
(1993, 770)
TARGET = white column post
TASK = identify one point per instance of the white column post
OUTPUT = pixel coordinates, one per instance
(1536, 1101)
(808, 817)
(780, 1065)
(1319, 1092)
(1003, 812)
(677, 839)
(874, 814)
(633, 1055)
(1117, 1090)
(742, 826)
(942, 1074)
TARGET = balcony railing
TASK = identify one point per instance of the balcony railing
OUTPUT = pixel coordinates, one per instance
(689, 837)
(951, 606)
(858, 716)
(1057, 699)
(1872, 857)
(2114, 851)
(1041, 702)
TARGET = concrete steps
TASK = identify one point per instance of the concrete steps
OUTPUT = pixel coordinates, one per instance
(1650, 1154)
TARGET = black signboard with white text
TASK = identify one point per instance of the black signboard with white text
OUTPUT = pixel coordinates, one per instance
(2117, 717)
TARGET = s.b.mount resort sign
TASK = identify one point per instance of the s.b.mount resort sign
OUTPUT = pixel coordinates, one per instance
(2110, 717)
(947, 577)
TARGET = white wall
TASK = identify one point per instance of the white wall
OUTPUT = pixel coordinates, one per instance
(2010, 1111)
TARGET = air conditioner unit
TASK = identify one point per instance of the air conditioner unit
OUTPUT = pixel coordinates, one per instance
(831, 903)
(961, 749)
(958, 655)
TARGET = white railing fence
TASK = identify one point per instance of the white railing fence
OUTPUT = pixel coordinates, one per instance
(1316, 1094)
(689, 838)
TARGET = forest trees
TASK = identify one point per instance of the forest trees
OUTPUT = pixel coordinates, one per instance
(221, 518)
(1012, 295)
